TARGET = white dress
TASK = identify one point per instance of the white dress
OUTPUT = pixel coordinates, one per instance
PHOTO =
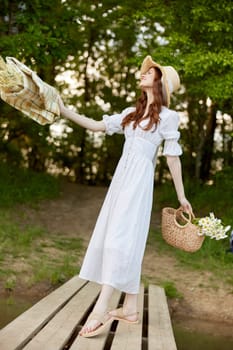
(115, 252)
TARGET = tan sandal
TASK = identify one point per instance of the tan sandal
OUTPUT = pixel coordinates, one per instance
(120, 316)
(104, 320)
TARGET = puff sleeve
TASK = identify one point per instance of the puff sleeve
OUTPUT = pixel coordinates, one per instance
(113, 122)
(169, 132)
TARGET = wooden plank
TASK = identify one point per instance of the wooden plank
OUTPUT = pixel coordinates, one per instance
(129, 337)
(58, 331)
(96, 343)
(160, 333)
(17, 333)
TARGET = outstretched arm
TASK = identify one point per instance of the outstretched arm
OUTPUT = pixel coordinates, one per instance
(174, 166)
(81, 120)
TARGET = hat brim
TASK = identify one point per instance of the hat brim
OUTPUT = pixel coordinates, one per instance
(149, 63)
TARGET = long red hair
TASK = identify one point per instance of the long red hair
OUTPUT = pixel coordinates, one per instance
(154, 109)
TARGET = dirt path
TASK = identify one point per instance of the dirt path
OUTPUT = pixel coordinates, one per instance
(75, 212)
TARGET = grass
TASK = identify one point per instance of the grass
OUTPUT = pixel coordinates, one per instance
(205, 198)
(55, 271)
(25, 186)
(217, 198)
(171, 290)
(10, 283)
(61, 264)
(211, 257)
(32, 254)
(69, 244)
(15, 241)
(42, 256)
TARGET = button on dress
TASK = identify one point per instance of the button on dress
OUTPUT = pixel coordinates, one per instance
(115, 252)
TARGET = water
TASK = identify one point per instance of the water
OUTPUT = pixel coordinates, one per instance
(202, 335)
(11, 307)
(189, 334)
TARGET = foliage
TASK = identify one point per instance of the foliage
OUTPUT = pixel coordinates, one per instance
(204, 198)
(199, 43)
(100, 45)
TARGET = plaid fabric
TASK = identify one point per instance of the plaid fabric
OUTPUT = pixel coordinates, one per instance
(36, 99)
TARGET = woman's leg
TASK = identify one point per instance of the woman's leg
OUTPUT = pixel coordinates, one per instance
(130, 303)
(129, 308)
(100, 307)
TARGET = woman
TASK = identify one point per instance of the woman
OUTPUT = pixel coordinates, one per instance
(115, 252)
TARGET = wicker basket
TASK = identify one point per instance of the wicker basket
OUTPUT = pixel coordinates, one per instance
(178, 230)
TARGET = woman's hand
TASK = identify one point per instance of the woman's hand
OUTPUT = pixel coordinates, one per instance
(81, 120)
(186, 206)
(176, 172)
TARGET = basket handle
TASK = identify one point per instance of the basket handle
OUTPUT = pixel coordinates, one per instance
(188, 220)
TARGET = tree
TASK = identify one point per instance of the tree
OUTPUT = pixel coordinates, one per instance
(100, 45)
(201, 43)
(36, 33)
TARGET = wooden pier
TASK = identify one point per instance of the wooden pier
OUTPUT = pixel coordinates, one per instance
(54, 322)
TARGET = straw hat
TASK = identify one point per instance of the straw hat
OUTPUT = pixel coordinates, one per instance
(170, 77)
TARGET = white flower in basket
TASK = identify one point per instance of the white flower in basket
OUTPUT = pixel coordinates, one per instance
(212, 227)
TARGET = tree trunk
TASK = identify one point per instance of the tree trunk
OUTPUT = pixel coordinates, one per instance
(208, 144)
(80, 174)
